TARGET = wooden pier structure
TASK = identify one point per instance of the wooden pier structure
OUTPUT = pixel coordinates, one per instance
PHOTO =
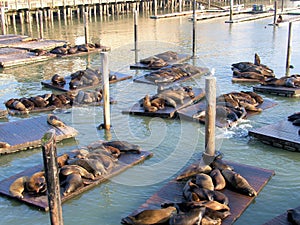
(238, 203)
(282, 91)
(282, 135)
(27, 133)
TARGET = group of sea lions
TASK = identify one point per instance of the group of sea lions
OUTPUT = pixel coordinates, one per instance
(295, 119)
(68, 49)
(173, 73)
(76, 169)
(203, 202)
(160, 60)
(172, 96)
(251, 70)
(234, 106)
(292, 81)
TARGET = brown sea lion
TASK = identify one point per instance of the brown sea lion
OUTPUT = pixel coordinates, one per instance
(17, 105)
(72, 183)
(27, 103)
(210, 221)
(89, 165)
(36, 183)
(182, 206)
(159, 103)
(214, 205)
(218, 163)
(204, 181)
(17, 188)
(39, 101)
(68, 169)
(254, 95)
(193, 170)
(55, 121)
(58, 80)
(218, 179)
(150, 216)
(238, 183)
(73, 50)
(147, 105)
(62, 160)
(4, 144)
(194, 216)
(217, 214)
(293, 216)
(124, 146)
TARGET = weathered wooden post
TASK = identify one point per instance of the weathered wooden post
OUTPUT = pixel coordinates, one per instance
(282, 4)
(194, 30)
(155, 7)
(210, 119)
(3, 25)
(231, 11)
(105, 90)
(180, 5)
(14, 23)
(86, 27)
(289, 49)
(51, 174)
(136, 36)
(275, 12)
(41, 25)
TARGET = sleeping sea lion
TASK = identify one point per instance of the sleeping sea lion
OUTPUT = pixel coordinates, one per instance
(293, 216)
(69, 169)
(214, 205)
(218, 179)
(55, 121)
(147, 105)
(39, 101)
(206, 220)
(27, 103)
(204, 181)
(294, 116)
(213, 214)
(159, 103)
(72, 183)
(182, 206)
(124, 146)
(62, 160)
(296, 122)
(194, 216)
(73, 50)
(17, 105)
(36, 183)
(193, 170)
(58, 80)
(220, 164)
(238, 182)
(89, 165)
(17, 188)
(150, 216)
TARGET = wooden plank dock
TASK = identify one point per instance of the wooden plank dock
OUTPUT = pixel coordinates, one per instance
(66, 87)
(238, 203)
(243, 80)
(27, 133)
(142, 79)
(281, 135)
(125, 161)
(168, 111)
(249, 17)
(180, 58)
(280, 219)
(282, 91)
(188, 113)
(175, 14)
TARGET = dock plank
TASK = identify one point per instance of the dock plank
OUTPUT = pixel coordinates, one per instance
(250, 17)
(238, 203)
(282, 91)
(27, 133)
(66, 87)
(125, 162)
(280, 219)
(38, 44)
(188, 112)
(168, 111)
(281, 135)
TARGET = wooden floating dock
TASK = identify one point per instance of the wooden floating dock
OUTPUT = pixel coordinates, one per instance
(168, 111)
(181, 58)
(176, 14)
(281, 135)
(280, 219)
(250, 17)
(243, 80)
(66, 87)
(142, 79)
(125, 161)
(27, 133)
(238, 203)
(282, 91)
(188, 112)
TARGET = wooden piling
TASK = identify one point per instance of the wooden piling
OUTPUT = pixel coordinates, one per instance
(275, 12)
(155, 7)
(41, 25)
(289, 49)
(86, 27)
(105, 89)
(231, 11)
(51, 174)
(14, 23)
(136, 36)
(210, 119)
(194, 29)
(3, 25)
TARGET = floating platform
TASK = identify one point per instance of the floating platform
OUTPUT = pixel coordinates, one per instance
(66, 87)
(280, 219)
(125, 161)
(249, 17)
(188, 112)
(142, 79)
(244, 80)
(168, 111)
(176, 14)
(180, 58)
(27, 133)
(238, 203)
(282, 91)
(281, 135)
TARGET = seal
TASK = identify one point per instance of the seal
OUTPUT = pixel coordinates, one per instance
(209, 221)
(4, 144)
(58, 80)
(150, 216)
(36, 183)
(293, 216)
(193, 170)
(124, 146)
(62, 160)
(27, 103)
(238, 183)
(204, 181)
(147, 105)
(72, 183)
(218, 179)
(17, 188)
(69, 169)
(194, 216)
(55, 121)
(39, 101)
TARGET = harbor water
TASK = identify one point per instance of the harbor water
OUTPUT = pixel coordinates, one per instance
(174, 143)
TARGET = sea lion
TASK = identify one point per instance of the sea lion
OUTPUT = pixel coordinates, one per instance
(256, 59)
(238, 182)
(150, 216)
(55, 101)
(60, 50)
(193, 170)
(218, 179)
(124, 146)
(296, 122)
(293, 216)
(58, 80)
(4, 144)
(159, 103)
(112, 77)
(73, 50)
(55, 121)
(39, 101)
(204, 181)
(210, 221)
(17, 188)
(17, 105)
(182, 206)
(194, 216)
(72, 183)
(69, 169)
(40, 52)
(255, 96)
(147, 105)
(89, 165)
(27, 103)
(218, 163)
(62, 160)
(36, 183)
(294, 116)
(214, 205)
(213, 214)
